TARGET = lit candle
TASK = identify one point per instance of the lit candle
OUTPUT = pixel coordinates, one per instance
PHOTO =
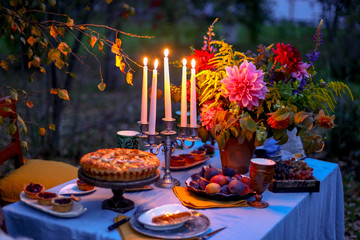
(153, 100)
(167, 94)
(144, 108)
(183, 122)
(193, 115)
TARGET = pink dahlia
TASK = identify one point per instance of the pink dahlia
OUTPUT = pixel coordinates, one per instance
(301, 71)
(207, 114)
(244, 85)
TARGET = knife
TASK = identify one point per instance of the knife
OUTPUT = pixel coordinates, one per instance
(206, 236)
(115, 225)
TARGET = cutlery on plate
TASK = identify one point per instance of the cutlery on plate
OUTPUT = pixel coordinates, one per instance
(206, 236)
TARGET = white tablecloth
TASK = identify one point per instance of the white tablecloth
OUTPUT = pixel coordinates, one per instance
(289, 216)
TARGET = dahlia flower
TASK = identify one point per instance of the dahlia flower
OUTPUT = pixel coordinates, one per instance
(207, 114)
(288, 56)
(202, 58)
(244, 85)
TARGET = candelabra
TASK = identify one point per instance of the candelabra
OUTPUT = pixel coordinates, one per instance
(168, 142)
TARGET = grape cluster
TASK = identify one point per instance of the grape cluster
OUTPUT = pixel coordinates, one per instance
(291, 169)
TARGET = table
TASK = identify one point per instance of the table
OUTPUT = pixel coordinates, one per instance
(289, 216)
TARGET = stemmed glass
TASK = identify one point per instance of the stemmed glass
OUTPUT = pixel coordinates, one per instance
(261, 173)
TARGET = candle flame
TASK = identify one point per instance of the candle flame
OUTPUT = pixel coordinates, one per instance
(184, 61)
(193, 63)
(166, 52)
(156, 63)
(145, 61)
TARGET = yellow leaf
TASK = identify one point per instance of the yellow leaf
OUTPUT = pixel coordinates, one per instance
(63, 94)
(118, 42)
(100, 46)
(24, 145)
(102, 86)
(42, 131)
(109, 1)
(29, 104)
(4, 64)
(92, 41)
(115, 49)
(59, 64)
(35, 31)
(129, 78)
(54, 91)
(31, 40)
(118, 60)
(122, 67)
(64, 48)
(52, 127)
(42, 70)
(70, 23)
(36, 62)
(53, 31)
(54, 54)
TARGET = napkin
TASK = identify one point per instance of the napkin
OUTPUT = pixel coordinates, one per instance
(128, 233)
(192, 200)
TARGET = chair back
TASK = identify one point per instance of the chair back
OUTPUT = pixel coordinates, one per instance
(13, 150)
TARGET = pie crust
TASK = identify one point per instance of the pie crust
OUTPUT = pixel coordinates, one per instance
(44, 198)
(119, 164)
(32, 189)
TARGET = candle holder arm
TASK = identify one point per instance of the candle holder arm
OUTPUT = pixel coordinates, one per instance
(182, 142)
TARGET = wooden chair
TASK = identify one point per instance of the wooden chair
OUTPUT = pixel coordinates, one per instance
(49, 173)
(13, 150)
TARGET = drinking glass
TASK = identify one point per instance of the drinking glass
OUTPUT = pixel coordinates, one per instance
(261, 173)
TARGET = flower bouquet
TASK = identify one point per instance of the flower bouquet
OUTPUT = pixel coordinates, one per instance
(250, 97)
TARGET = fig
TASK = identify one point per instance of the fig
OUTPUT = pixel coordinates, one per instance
(238, 176)
(202, 171)
(202, 183)
(247, 181)
(210, 172)
(219, 179)
(213, 188)
(224, 189)
(194, 184)
(236, 186)
(195, 176)
(210, 149)
(228, 171)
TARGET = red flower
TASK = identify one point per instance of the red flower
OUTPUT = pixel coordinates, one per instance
(202, 59)
(288, 56)
(278, 124)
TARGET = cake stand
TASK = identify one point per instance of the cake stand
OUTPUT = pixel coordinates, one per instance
(118, 203)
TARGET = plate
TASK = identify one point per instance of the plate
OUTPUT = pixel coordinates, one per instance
(186, 166)
(196, 225)
(73, 189)
(217, 196)
(147, 217)
(77, 210)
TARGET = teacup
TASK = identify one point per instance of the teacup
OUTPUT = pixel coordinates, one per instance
(128, 139)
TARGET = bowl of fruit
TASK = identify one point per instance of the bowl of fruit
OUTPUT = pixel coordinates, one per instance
(220, 184)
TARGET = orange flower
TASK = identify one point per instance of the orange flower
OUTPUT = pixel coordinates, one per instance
(278, 124)
(324, 121)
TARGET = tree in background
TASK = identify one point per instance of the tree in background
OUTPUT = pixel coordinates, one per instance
(44, 44)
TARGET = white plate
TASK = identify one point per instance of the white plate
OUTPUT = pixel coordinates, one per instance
(77, 209)
(146, 218)
(73, 189)
(195, 226)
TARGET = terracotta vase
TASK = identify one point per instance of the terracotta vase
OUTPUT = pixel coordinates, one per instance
(237, 156)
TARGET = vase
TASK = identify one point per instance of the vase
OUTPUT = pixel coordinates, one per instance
(237, 155)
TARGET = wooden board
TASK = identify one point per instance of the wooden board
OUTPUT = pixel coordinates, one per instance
(284, 186)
